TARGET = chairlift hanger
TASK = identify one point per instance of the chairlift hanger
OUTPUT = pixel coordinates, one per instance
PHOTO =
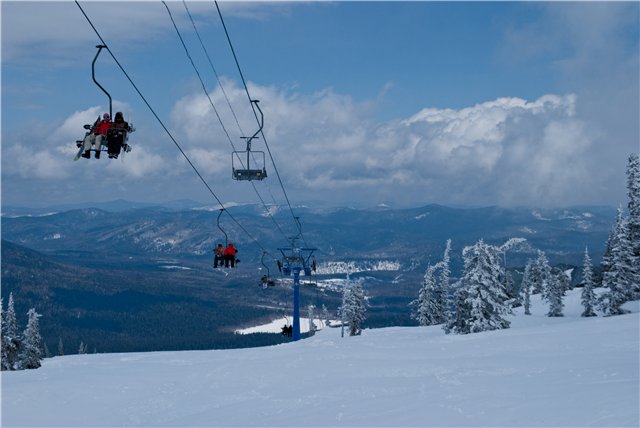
(93, 76)
(226, 238)
(247, 173)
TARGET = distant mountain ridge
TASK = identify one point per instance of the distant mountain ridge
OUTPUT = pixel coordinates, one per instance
(340, 234)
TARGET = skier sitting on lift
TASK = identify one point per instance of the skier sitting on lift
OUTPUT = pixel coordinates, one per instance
(117, 136)
(230, 255)
(266, 282)
(218, 256)
(96, 136)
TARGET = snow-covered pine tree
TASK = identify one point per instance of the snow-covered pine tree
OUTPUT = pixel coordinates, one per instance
(619, 278)
(427, 305)
(312, 316)
(354, 307)
(527, 284)
(554, 292)
(486, 297)
(11, 342)
(32, 345)
(326, 317)
(508, 278)
(458, 311)
(633, 191)
(540, 273)
(607, 257)
(60, 347)
(82, 349)
(444, 285)
(588, 295)
(510, 288)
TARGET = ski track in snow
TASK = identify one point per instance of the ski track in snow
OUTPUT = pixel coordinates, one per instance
(542, 372)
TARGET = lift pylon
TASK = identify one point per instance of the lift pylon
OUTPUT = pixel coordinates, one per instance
(294, 261)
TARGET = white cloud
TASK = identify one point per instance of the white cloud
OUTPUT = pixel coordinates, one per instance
(141, 162)
(506, 151)
(50, 32)
(27, 162)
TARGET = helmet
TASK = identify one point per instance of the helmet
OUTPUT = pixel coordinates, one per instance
(106, 116)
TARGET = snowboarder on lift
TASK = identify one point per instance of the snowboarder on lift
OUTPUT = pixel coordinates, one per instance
(117, 136)
(218, 256)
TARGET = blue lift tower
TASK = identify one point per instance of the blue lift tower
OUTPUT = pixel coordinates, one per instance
(295, 260)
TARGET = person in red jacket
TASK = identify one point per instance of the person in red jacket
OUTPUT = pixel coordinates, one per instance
(230, 255)
(98, 136)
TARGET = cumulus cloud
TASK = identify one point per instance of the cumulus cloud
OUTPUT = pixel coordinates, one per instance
(507, 151)
(34, 164)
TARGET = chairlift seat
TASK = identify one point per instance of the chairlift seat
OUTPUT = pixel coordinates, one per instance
(246, 173)
(249, 174)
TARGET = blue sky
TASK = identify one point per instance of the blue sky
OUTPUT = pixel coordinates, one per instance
(406, 103)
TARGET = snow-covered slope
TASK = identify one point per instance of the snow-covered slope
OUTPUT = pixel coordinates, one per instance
(549, 372)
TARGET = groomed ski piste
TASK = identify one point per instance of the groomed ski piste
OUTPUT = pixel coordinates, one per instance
(542, 372)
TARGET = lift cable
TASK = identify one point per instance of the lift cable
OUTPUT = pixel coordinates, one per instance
(226, 97)
(244, 82)
(166, 129)
(195, 68)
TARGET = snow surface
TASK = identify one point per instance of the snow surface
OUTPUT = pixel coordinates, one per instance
(275, 326)
(542, 372)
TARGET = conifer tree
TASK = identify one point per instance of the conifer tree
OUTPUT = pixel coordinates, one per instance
(607, 257)
(60, 347)
(354, 307)
(516, 298)
(540, 274)
(588, 295)
(11, 342)
(32, 350)
(311, 315)
(326, 317)
(554, 292)
(486, 298)
(619, 279)
(459, 310)
(633, 191)
(427, 304)
(444, 284)
(525, 287)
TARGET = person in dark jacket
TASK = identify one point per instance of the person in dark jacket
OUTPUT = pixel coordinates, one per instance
(218, 256)
(117, 135)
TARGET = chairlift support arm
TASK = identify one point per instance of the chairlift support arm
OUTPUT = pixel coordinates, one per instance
(256, 102)
(226, 239)
(93, 76)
